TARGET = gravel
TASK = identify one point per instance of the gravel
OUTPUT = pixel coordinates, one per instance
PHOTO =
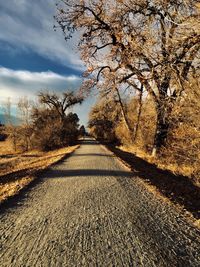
(91, 211)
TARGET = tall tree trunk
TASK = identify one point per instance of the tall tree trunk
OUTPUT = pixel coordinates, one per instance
(163, 109)
(127, 124)
(162, 127)
(138, 115)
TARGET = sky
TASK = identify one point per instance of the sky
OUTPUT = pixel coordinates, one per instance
(34, 57)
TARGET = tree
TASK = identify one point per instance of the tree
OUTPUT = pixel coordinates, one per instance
(25, 107)
(150, 43)
(103, 119)
(71, 131)
(60, 103)
(52, 126)
(82, 130)
(184, 137)
(3, 136)
(7, 112)
(49, 132)
(10, 129)
(46, 128)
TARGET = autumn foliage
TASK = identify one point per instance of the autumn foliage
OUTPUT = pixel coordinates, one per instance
(45, 124)
(149, 49)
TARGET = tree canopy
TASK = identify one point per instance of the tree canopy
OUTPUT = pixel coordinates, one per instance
(153, 43)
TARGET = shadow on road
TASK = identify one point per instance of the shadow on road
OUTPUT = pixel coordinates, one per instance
(57, 173)
(94, 155)
(88, 141)
(19, 199)
(179, 189)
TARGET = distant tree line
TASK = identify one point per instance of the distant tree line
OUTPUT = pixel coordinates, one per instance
(44, 125)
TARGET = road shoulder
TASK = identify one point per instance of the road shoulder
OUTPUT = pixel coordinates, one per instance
(178, 190)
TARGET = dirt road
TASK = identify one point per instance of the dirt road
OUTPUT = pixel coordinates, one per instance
(90, 211)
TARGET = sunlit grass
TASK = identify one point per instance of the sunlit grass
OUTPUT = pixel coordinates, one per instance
(164, 163)
(19, 169)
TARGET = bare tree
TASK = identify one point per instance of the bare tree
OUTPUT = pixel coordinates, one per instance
(7, 112)
(155, 43)
(60, 103)
(52, 126)
(25, 108)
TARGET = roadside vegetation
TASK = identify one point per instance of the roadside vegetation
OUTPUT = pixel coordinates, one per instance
(180, 154)
(143, 57)
(45, 135)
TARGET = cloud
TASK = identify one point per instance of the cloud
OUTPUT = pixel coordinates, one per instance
(29, 26)
(15, 84)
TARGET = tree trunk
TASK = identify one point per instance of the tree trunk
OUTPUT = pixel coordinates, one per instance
(127, 124)
(138, 115)
(162, 127)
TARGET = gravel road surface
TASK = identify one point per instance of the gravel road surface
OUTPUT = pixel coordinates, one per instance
(90, 211)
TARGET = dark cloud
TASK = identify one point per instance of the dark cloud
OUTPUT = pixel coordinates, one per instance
(29, 25)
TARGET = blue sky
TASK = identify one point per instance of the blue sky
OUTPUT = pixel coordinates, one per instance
(33, 56)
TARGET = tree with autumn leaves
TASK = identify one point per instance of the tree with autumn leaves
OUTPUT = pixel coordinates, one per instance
(149, 44)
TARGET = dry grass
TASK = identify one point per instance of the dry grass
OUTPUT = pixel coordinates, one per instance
(18, 169)
(165, 163)
(6, 148)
